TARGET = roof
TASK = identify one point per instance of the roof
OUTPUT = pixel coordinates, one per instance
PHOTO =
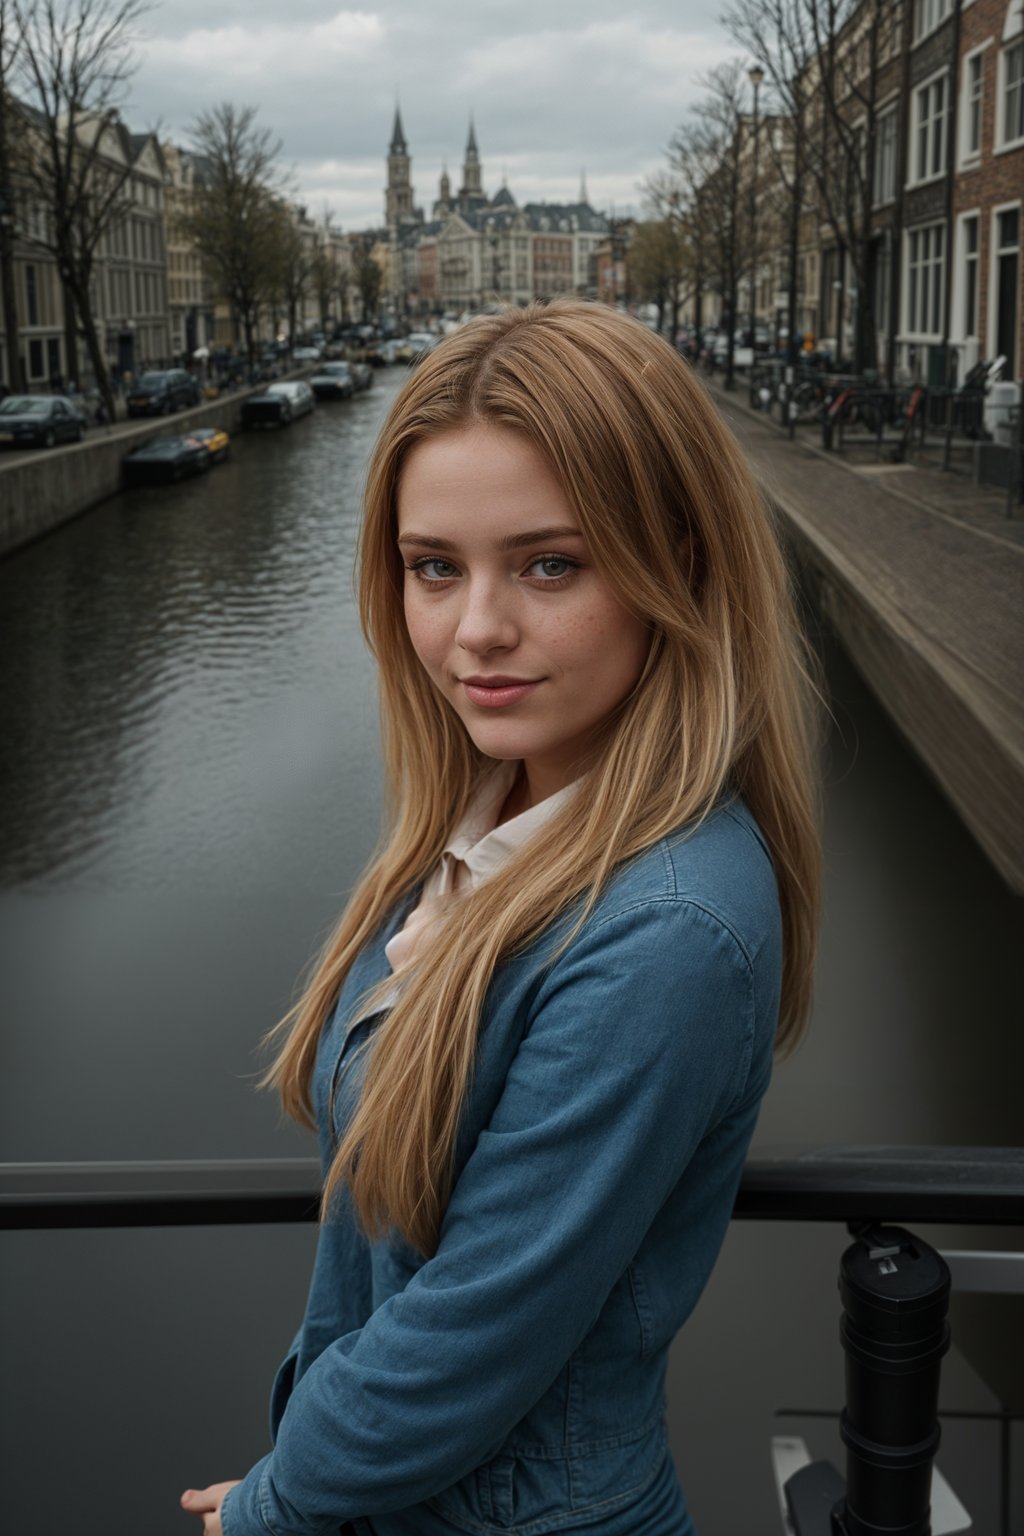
(566, 218)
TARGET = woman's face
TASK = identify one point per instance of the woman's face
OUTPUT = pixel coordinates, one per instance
(504, 606)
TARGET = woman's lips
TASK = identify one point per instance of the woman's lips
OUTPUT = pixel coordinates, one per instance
(493, 695)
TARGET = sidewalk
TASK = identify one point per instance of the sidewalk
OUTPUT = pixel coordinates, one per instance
(922, 575)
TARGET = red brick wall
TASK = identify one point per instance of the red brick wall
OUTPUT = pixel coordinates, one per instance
(995, 178)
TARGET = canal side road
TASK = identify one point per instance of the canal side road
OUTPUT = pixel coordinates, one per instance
(921, 574)
(43, 488)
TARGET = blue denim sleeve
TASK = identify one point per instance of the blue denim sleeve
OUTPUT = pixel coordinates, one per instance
(638, 1043)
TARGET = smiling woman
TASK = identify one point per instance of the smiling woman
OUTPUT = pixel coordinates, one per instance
(535, 1048)
(511, 620)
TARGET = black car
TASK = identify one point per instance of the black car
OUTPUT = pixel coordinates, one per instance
(163, 391)
(38, 421)
(333, 381)
(278, 405)
(166, 457)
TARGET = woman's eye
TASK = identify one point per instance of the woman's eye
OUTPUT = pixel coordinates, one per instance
(553, 567)
(433, 569)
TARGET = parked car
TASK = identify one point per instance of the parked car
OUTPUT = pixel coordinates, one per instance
(335, 381)
(215, 440)
(306, 355)
(39, 421)
(165, 457)
(162, 391)
(278, 405)
(362, 375)
(418, 344)
(384, 354)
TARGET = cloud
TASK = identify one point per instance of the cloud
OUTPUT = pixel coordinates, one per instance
(251, 51)
(548, 96)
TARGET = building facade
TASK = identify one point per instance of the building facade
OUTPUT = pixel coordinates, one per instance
(191, 300)
(479, 250)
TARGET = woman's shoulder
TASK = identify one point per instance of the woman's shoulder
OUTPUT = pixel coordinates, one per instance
(718, 869)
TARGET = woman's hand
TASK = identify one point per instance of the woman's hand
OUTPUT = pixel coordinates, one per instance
(206, 1503)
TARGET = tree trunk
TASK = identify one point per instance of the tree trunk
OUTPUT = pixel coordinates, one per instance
(792, 347)
(249, 323)
(71, 367)
(92, 342)
(15, 371)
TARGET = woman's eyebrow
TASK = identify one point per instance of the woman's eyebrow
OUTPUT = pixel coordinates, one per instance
(511, 541)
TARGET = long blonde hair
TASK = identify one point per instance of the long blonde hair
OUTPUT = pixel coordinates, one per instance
(675, 524)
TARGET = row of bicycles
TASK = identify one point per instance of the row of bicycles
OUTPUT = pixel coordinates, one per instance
(858, 408)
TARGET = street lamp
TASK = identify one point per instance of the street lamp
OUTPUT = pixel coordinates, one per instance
(755, 74)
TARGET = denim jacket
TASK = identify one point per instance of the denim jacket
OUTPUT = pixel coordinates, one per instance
(514, 1382)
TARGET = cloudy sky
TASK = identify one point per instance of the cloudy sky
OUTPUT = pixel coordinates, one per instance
(552, 88)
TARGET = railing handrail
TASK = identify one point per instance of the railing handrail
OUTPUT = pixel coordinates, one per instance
(958, 1185)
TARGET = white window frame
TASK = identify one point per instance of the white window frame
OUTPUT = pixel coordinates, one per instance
(993, 266)
(890, 110)
(958, 332)
(908, 332)
(929, 16)
(1003, 145)
(967, 156)
(913, 179)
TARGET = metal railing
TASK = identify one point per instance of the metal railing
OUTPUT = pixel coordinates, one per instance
(861, 1186)
(855, 1185)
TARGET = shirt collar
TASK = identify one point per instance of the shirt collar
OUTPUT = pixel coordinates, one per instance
(484, 847)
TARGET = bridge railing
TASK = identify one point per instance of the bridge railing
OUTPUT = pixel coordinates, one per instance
(851, 1184)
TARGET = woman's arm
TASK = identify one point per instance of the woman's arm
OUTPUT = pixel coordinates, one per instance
(639, 1043)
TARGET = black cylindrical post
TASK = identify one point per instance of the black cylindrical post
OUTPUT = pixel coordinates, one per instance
(894, 1330)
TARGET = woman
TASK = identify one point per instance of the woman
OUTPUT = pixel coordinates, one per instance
(536, 1045)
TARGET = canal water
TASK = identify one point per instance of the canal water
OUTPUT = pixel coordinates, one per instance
(190, 783)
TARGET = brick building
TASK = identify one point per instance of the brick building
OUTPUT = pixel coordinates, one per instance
(987, 312)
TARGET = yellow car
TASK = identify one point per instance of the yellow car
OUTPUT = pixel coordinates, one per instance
(215, 440)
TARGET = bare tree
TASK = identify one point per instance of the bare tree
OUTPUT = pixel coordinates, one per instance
(367, 275)
(706, 156)
(658, 260)
(671, 196)
(75, 62)
(11, 130)
(324, 274)
(291, 265)
(825, 61)
(773, 31)
(235, 218)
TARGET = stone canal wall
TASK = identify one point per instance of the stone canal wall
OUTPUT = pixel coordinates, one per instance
(51, 486)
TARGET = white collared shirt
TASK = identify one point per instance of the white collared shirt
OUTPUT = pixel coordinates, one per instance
(476, 849)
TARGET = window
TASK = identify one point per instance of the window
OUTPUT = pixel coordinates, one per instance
(1012, 116)
(930, 114)
(969, 316)
(1007, 284)
(885, 157)
(973, 79)
(31, 296)
(882, 282)
(926, 251)
(53, 357)
(928, 14)
(35, 358)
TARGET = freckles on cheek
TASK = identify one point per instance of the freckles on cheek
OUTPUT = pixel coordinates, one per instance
(426, 634)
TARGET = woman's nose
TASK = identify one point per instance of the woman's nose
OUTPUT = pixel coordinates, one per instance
(487, 621)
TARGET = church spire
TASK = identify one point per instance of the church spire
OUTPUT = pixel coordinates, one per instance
(583, 186)
(472, 184)
(398, 145)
